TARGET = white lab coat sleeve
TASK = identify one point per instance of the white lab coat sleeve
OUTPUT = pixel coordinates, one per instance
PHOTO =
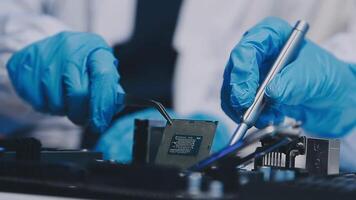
(21, 23)
(201, 42)
(343, 44)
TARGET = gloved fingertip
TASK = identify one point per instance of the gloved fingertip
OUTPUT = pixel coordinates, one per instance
(269, 116)
(10, 66)
(101, 62)
(116, 63)
(263, 121)
(97, 126)
(119, 102)
(225, 102)
(242, 96)
(273, 89)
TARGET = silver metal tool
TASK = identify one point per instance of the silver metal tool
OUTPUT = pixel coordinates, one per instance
(136, 101)
(287, 53)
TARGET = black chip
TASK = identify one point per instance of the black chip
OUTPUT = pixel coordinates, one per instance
(185, 145)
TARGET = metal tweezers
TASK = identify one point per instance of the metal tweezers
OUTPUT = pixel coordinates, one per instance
(140, 102)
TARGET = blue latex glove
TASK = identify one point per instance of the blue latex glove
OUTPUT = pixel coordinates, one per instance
(116, 143)
(316, 88)
(71, 73)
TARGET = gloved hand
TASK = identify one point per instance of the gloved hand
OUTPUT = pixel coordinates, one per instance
(116, 143)
(70, 73)
(316, 88)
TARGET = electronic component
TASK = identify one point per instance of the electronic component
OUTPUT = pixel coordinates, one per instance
(321, 156)
(30, 149)
(186, 142)
(147, 138)
(82, 174)
(181, 144)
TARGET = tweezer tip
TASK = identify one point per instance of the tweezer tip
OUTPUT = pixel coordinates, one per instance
(169, 122)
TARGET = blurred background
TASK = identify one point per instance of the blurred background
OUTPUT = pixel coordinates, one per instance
(171, 51)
